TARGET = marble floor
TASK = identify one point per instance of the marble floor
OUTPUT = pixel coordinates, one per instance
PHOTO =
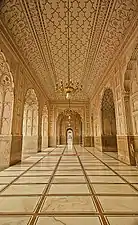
(69, 186)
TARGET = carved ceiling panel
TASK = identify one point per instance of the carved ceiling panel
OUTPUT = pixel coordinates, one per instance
(98, 29)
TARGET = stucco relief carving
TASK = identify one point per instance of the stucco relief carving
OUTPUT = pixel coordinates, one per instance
(39, 30)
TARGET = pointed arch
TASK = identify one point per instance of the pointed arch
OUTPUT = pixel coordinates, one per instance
(30, 124)
(108, 119)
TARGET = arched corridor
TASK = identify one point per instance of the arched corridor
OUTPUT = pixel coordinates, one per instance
(64, 122)
(68, 112)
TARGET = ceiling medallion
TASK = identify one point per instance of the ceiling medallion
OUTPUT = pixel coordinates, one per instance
(69, 88)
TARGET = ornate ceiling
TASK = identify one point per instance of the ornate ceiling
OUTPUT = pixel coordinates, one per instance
(98, 29)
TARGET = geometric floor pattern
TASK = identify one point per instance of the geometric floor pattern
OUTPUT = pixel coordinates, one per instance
(78, 186)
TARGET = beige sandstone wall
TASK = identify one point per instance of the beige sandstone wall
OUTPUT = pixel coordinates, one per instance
(11, 145)
(122, 79)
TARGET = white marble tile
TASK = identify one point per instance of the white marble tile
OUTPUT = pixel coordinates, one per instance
(12, 168)
(94, 167)
(6, 180)
(14, 220)
(115, 163)
(39, 173)
(106, 179)
(17, 204)
(69, 163)
(92, 163)
(2, 186)
(68, 220)
(68, 204)
(123, 220)
(21, 165)
(69, 167)
(127, 172)
(124, 167)
(119, 203)
(100, 172)
(33, 180)
(131, 179)
(69, 189)
(42, 168)
(10, 173)
(135, 185)
(71, 172)
(113, 189)
(24, 189)
(68, 179)
(45, 165)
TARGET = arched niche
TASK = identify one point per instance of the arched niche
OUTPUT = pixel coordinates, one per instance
(108, 119)
(66, 121)
(30, 124)
(6, 111)
(45, 127)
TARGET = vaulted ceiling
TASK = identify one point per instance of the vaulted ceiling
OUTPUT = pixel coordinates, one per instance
(98, 29)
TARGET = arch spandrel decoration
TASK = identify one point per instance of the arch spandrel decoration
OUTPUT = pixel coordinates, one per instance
(77, 111)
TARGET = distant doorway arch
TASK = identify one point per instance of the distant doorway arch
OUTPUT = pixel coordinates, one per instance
(109, 140)
(69, 136)
(65, 122)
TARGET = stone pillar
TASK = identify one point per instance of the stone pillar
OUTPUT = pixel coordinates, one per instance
(129, 131)
(16, 143)
(39, 128)
(17, 120)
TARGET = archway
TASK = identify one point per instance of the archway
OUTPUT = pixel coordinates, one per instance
(30, 124)
(109, 140)
(6, 111)
(44, 127)
(65, 122)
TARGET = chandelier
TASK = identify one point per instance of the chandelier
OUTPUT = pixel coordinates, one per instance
(68, 112)
(69, 88)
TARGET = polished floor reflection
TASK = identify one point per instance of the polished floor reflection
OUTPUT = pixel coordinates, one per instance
(69, 186)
